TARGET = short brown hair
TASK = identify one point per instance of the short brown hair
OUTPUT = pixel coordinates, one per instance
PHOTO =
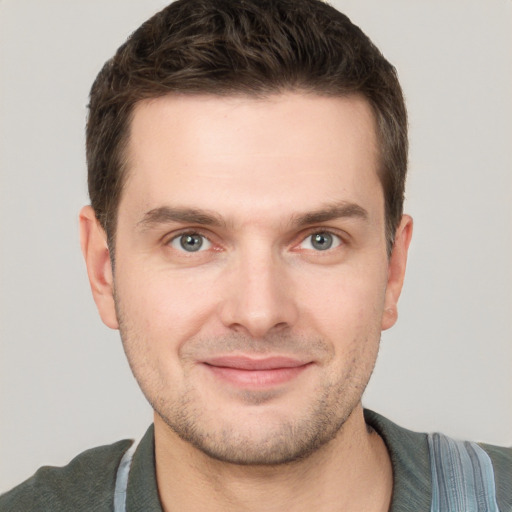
(253, 47)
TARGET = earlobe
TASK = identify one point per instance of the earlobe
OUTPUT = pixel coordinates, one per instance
(99, 269)
(396, 271)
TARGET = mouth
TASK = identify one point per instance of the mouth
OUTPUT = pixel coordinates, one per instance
(251, 372)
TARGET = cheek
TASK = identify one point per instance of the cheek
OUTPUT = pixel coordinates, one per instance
(157, 316)
(166, 307)
(348, 303)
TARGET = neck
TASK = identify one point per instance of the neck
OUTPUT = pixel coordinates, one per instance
(351, 473)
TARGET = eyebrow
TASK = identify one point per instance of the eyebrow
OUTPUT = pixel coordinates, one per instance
(167, 214)
(336, 211)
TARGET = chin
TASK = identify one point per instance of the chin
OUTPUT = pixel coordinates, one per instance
(264, 439)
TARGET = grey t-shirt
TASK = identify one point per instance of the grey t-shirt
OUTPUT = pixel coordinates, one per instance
(87, 483)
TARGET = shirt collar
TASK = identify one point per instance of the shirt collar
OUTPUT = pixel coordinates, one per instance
(409, 453)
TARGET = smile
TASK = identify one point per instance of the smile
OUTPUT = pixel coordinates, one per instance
(256, 373)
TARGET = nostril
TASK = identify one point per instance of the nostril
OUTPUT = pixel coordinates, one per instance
(238, 328)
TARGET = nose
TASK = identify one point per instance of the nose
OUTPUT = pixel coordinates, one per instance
(259, 297)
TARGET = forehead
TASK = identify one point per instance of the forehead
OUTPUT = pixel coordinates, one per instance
(243, 154)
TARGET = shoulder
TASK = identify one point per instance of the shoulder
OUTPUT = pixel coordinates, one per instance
(501, 456)
(501, 459)
(86, 483)
(414, 457)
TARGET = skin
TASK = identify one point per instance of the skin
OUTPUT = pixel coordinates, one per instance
(208, 332)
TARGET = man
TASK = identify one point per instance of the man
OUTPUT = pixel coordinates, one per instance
(246, 170)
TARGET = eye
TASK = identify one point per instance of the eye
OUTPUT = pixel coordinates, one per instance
(321, 241)
(190, 242)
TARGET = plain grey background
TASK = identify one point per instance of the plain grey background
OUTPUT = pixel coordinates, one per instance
(446, 365)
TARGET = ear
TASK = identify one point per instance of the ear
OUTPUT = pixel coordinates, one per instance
(396, 271)
(93, 240)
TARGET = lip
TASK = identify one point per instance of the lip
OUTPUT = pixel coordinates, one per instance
(256, 373)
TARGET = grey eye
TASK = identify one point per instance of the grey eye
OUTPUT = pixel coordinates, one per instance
(190, 242)
(322, 241)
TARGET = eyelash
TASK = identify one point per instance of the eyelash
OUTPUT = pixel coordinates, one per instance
(178, 237)
(336, 239)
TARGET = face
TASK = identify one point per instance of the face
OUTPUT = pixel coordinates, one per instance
(251, 277)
